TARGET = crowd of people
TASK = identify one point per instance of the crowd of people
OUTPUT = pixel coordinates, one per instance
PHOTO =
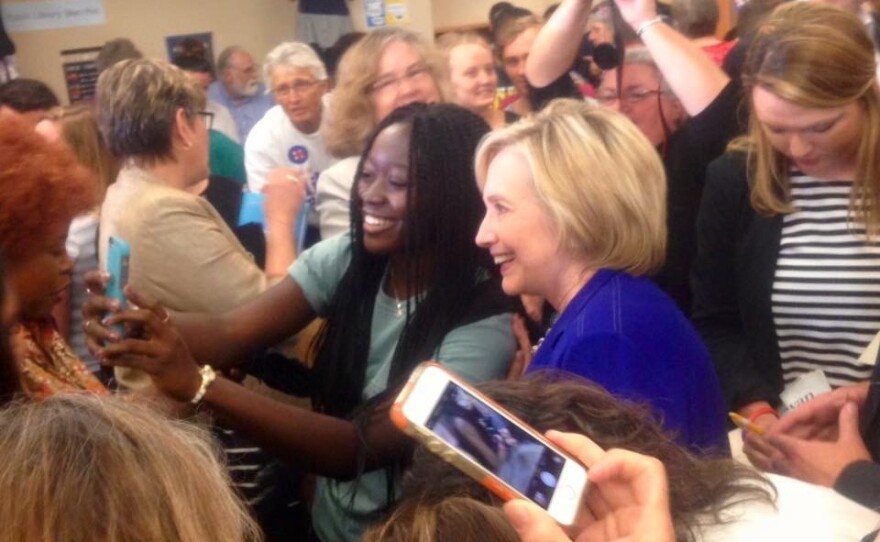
(615, 224)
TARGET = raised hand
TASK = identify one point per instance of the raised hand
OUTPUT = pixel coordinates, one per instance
(285, 192)
(95, 308)
(637, 12)
(523, 356)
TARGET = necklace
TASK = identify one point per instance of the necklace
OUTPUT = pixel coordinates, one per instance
(553, 320)
(399, 304)
(540, 341)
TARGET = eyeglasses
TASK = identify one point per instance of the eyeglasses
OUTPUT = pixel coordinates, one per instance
(297, 87)
(391, 83)
(631, 96)
(208, 116)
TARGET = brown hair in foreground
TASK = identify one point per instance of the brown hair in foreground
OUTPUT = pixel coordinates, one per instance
(701, 489)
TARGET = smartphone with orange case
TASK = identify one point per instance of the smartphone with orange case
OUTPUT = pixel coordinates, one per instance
(488, 443)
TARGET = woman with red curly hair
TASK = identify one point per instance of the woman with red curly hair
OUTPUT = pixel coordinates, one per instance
(43, 188)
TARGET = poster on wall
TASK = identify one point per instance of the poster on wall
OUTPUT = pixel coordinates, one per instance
(396, 12)
(24, 16)
(195, 45)
(386, 12)
(80, 73)
(374, 11)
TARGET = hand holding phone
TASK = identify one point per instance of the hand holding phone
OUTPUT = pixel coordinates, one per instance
(628, 499)
(118, 256)
(489, 444)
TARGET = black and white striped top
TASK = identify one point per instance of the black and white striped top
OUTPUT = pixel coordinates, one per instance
(826, 293)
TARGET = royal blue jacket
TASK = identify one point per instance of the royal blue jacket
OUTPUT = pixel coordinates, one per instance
(625, 334)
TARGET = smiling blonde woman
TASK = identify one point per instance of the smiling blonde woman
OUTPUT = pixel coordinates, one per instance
(576, 213)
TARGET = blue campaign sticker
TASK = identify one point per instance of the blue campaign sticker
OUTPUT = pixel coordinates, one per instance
(298, 154)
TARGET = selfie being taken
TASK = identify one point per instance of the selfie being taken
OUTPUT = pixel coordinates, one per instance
(440, 270)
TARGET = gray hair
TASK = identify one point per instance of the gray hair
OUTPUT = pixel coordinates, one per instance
(641, 56)
(293, 54)
(226, 55)
(137, 101)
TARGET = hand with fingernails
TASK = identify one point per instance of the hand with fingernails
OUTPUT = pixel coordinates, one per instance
(818, 440)
(628, 499)
(154, 346)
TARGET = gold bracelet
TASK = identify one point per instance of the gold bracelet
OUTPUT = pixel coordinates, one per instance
(208, 376)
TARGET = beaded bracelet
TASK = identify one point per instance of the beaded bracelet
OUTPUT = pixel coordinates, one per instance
(208, 376)
(648, 24)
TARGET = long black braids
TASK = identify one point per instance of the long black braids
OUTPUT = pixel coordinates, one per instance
(444, 213)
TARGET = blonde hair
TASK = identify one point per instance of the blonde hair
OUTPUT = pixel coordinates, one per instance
(351, 117)
(815, 56)
(81, 468)
(599, 179)
(461, 519)
(79, 129)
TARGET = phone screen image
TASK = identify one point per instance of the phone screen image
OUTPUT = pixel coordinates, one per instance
(496, 443)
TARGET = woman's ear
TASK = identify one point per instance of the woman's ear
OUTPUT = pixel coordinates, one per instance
(182, 131)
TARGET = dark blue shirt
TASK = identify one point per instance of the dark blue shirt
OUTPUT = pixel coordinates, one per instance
(624, 333)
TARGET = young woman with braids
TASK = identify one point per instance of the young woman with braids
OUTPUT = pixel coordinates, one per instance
(406, 284)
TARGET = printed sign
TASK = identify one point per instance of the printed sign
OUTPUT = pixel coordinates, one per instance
(396, 12)
(27, 16)
(374, 11)
(80, 73)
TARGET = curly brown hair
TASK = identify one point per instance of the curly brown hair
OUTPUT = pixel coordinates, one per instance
(42, 184)
(700, 488)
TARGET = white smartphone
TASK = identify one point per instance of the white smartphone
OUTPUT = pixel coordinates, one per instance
(482, 439)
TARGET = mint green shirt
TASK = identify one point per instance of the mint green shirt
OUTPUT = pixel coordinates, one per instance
(478, 351)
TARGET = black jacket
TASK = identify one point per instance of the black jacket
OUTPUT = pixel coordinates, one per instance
(732, 282)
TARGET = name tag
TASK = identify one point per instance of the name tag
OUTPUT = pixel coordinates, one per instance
(869, 356)
(803, 389)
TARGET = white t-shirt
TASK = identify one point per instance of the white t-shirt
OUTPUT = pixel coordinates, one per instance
(275, 142)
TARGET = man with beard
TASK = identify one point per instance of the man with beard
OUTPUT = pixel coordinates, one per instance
(239, 89)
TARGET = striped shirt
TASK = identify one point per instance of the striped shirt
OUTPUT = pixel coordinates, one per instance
(82, 247)
(826, 293)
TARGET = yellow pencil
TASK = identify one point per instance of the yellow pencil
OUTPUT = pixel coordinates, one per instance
(745, 424)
